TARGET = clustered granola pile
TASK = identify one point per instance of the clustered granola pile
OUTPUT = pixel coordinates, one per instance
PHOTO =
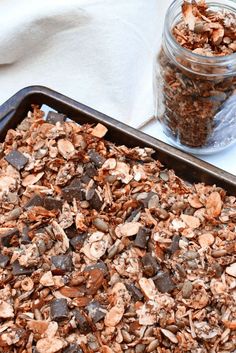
(191, 101)
(105, 250)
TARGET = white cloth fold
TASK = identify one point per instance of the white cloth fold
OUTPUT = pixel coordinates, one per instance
(99, 52)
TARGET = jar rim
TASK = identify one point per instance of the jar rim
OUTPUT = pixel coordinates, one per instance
(211, 60)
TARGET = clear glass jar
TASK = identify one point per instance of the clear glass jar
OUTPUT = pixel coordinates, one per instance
(195, 95)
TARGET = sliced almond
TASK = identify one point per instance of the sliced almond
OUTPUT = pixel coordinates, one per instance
(65, 148)
(191, 221)
(214, 204)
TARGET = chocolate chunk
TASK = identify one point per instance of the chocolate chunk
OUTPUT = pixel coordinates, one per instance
(71, 231)
(99, 265)
(174, 244)
(94, 199)
(133, 215)
(10, 238)
(164, 282)
(150, 265)
(72, 348)
(4, 260)
(59, 309)
(85, 179)
(95, 311)
(136, 293)
(16, 159)
(90, 170)
(25, 239)
(18, 270)
(73, 191)
(36, 200)
(78, 241)
(61, 264)
(52, 204)
(142, 238)
(53, 118)
(96, 158)
(82, 322)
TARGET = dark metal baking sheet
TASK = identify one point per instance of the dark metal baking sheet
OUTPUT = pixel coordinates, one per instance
(13, 111)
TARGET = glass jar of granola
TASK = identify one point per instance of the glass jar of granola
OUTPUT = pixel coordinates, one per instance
(195, 75)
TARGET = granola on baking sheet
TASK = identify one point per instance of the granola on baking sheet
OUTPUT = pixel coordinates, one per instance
(198, 92)
(105, 250)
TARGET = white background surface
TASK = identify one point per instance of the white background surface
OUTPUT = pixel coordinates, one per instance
(99, 52)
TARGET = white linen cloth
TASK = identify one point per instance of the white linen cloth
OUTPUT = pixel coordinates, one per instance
(99, 52)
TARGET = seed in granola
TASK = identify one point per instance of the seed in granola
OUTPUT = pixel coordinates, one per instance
(140, 348)
(16, 159)
(172, 328)
(25, 239)
(96, 158)
(169, 335)
(4, 260)
(152, 346)
(100, 224)
(10, 237)
(18, 270)
(153, 201)
(150, 265)
(187, 289)
(191, 255)
(114, 249)
(126, 336)
(164, 176)
(145, 197)
(78, 241)
(72, 348)
(95, 311)
(136, 293)
(164, 282)
(53, 118)
(14, 214)
(59, 309)
(61, 264)
(219, 253)
(51, 203)
(81, 322)
(174, 245)
(181, 270)
(142, 237)
(35, 200)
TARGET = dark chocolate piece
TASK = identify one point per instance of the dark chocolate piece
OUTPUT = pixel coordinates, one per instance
(78, 241)
(19, 270)
(150, 265)
(82, 322)
(95, 311)
(174, 245)
(71, 231)
(16, 159)
(94, 199)
(10, 237)
(4, 260)
(142, 238)
(164, 282)
(99, 265)
(133, 215)
(136, 293)
(25, 239)
(85, 179)
(59, 309)
(73, 191)
(53, 118)
(52, 204)
(96, 158)
(72, 348)
(35, 200)
(90, 170)
(61, 264)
